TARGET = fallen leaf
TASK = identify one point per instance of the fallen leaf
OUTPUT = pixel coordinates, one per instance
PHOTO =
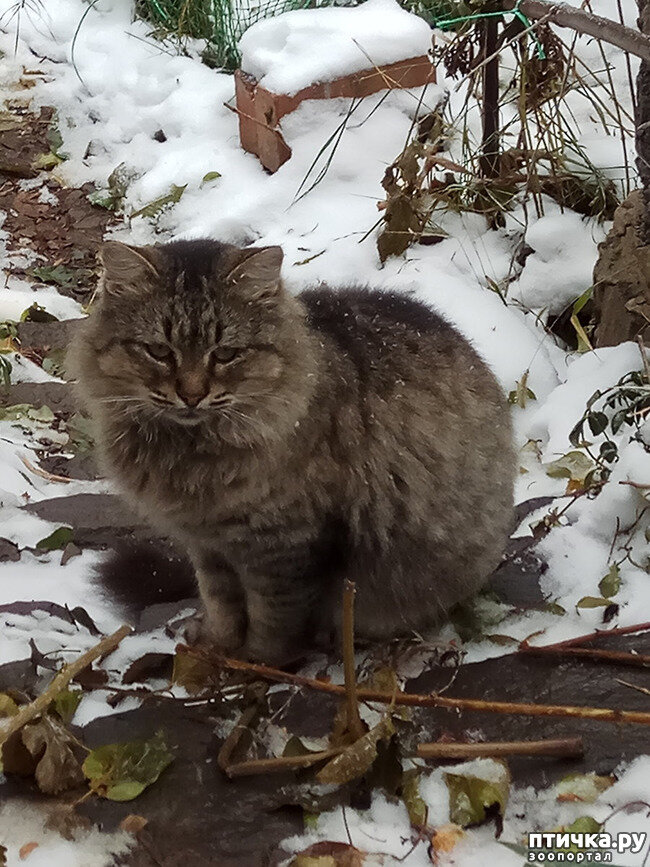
(156, 206)
(583, 787)
(36, 313)
(474, 799)
(356, 759)
(133, 823)
(446, 837)
(148, 666)
(66, 704)
(53, 749)
(574, 466)
(120, 772)
(8, 706)
(417, 808)
(56, 540)
(191, 672)
(592, 602)
(329, 853)
(611, 583)
(25, 850)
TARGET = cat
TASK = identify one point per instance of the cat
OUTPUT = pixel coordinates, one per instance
(288, 442)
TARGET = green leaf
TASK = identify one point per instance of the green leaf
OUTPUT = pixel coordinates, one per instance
(592, 602)
(56, 274)
(597, 422)
(66, 704)
(80, 430)
(417, 808)
(619, 419)
(471, 796)
(47, 161)
(56, 540)
(36, 313)
(583, 825)
(210, 176)
(521, 394)
(583, 787)
(608, 451)
(43, 413)
(54, 362)
(157, 205)
(575, 466)
(15, 412)
(611, 583)
(120, 772)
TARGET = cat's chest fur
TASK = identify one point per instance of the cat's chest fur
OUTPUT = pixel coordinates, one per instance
(186, 485)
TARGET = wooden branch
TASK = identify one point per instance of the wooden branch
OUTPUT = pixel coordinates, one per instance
(600, 633)
(559, 747)
(585, 23)
(617, 656)
(354, 724)
(276, 765)
(600, 714)
(60, 681)
(231, 742)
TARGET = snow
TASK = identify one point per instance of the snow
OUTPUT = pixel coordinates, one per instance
(307, 46)
(125, 88)
(22, 823)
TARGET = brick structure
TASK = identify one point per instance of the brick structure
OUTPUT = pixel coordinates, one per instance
(260, 110)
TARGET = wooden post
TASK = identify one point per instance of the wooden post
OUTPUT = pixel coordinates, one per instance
(489, 162)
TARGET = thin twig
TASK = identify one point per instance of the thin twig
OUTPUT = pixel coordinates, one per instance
(636, 686)
(644, 357)
(617, 656)
(354, 724)
(560, 747)
(232, 741)
(601, 633)
(60, 681)
(277, 764)
(39, 471)
(600, 714)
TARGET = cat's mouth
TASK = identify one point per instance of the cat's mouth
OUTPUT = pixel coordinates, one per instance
(187, 416)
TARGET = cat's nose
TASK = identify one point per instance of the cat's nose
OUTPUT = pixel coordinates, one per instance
(191, 394)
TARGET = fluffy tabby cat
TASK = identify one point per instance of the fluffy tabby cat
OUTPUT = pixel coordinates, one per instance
(287, 442)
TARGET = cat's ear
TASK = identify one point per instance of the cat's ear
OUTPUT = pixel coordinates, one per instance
(257, 276)
(126, 268)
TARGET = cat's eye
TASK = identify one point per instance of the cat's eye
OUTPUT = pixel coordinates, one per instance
(159, 351)
(224, 354)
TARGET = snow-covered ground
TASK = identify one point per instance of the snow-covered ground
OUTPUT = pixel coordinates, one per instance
(112, 94)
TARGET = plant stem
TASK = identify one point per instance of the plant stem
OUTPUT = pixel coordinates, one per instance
(414, 700)
(560, 747)
(623, 658)
(355, 725)
(60, 681)
(278, 764)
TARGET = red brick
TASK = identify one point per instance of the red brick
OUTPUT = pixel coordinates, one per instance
(260, 110)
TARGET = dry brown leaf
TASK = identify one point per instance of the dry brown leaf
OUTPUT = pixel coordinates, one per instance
(25, 850)
(446, 837)
(58, 768)
(133, 823)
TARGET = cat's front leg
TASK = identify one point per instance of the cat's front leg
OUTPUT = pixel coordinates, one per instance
(283, 617)
(223, 598)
